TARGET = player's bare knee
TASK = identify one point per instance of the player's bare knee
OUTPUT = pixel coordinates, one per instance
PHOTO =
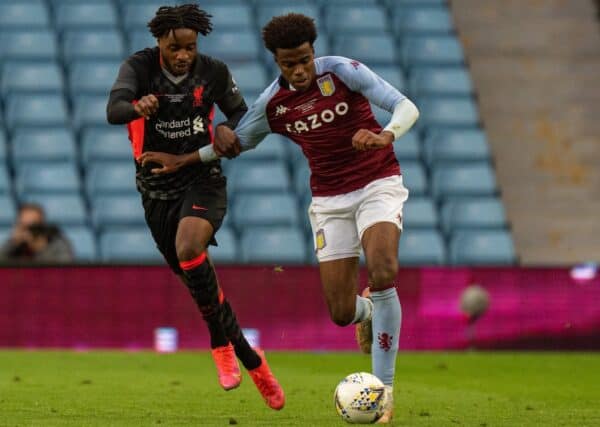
(383, 272)
(187, 251)
(341, 316)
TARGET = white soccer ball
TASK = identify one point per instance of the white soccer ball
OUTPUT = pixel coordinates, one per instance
(360, 398)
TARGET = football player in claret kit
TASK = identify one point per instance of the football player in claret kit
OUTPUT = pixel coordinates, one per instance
(322, 104)
(166, 96)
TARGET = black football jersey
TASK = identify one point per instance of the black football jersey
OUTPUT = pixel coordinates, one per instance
(184, 120)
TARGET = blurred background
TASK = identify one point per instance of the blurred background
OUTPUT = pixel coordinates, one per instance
(501, 168)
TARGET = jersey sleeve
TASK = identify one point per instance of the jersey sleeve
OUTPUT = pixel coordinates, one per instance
(254, 126)
(126, 79)
(228, 96)
(360, 78)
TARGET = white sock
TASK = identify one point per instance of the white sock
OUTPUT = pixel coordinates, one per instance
(364, 309)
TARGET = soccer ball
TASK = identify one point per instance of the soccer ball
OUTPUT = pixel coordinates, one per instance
(360, 398)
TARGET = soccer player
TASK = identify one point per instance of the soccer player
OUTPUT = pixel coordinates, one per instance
(322, 104)
(166, 96)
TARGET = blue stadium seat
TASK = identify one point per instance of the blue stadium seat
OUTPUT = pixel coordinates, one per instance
(129, 245)
(354, 19)
(39, 77)
(43, 144)
(234, 46)
(370, 49)
(105, 144)
(5, 181)
(448, 113)
(302, 180)
(422, 21)
(92, 15)
(463, 180)
(83, 242)
(391, 74)
(89, 110)
(35, 111)
(47, 178)
(478, 213)
(8, 213)
(230, 17)
(486, 247)
(420, 212)
(406, 4)
(352, 3)
(407, 147)
(267, 11)
(28, 45)
(23, 15)
(273, 245)
(414, 178)
(250, 77)
(3, 148)
(136, 15)
(263, 176)
(295, 155)
(446, 81)
(141, 39)
(92, 77)
(271, 148)
(265, 209)
(93, 44)
(117, 210)
(227, 251)
(429, 51)
(104, 178)
(456, 146)
(422, 247)
(61, 209)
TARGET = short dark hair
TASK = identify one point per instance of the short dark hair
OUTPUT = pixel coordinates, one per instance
(169, 18)
(289, 31)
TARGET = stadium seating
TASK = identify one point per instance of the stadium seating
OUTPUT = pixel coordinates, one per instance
(83, 243)
(273, 245)
(227, 250)
(47, 178)
(422, 247)
(22, 77)
(62, 209)
(59, 59)
(8, 212)
(55, 144)
(487, 247)
(129, 245)
(36, 111)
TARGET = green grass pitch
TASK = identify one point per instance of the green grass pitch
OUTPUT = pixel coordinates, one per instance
(52, 388)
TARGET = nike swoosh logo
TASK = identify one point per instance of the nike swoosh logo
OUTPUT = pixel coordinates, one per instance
(199, 208)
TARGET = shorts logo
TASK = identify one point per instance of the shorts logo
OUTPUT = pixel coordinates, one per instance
(326, 85)
(320, 239)
(199, 208)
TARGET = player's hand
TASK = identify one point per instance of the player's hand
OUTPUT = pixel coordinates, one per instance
(364, 140)
(227, 143)
(164, 162)
(146, 106)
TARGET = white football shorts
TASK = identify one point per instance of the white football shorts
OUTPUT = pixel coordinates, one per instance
(338, 222)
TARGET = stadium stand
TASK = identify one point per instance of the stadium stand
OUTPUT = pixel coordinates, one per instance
(58, 59)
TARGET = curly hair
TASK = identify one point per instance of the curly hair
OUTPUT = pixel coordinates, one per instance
(289, 31)
(170, 18)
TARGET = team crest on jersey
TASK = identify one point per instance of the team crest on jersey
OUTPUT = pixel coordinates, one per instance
(198, 96)
(326, 85)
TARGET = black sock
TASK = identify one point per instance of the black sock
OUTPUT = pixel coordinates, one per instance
(249, 358)
(201, 280)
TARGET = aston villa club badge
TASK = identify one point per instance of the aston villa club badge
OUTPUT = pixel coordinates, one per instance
(326, 85)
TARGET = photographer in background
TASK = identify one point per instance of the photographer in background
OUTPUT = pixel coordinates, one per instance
(34, 240)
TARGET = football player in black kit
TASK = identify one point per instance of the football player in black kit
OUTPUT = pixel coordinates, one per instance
(166, 96)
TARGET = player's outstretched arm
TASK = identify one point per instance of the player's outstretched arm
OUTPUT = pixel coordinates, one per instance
(227, 143)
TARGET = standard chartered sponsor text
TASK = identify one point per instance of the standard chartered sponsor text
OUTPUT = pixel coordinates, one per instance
(174, 129)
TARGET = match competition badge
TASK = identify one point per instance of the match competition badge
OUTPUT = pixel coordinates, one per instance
(326, 85)
(320, 238)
